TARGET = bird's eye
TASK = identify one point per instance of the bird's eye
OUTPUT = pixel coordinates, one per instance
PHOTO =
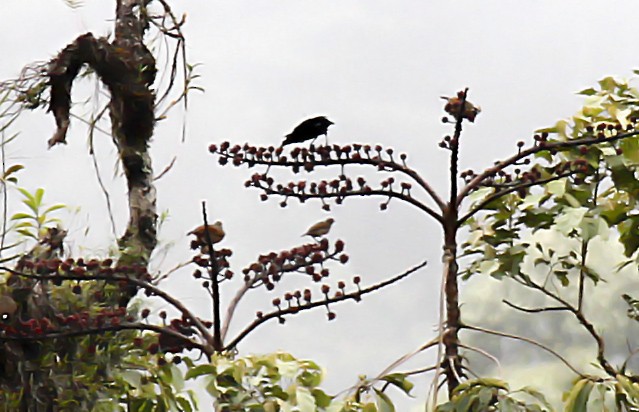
(4, 316)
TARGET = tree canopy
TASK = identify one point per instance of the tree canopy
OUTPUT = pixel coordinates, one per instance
(77, 332)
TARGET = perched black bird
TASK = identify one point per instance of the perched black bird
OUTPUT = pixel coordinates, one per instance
(307, 130)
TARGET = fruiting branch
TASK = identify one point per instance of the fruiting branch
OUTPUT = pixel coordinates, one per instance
(308, 159)
(478, 179)
(356, 296)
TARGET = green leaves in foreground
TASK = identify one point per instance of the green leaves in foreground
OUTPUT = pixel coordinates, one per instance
(488, 394)
(31, 223)
(620, 393)
(280, 382)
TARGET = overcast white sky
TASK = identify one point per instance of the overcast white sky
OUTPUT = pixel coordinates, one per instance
(377, 69)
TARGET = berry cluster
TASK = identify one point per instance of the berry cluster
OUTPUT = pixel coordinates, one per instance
(307, 260)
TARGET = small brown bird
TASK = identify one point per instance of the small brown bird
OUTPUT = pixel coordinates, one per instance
(8, 307)
(216, 232)
(453, 104)
(320, 228)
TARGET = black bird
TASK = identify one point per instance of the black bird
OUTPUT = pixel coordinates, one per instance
(307, 130)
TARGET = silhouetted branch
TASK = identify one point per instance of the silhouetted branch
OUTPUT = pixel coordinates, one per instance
(215, 286)
(279, 262)
(353, 193)
(347, 155)
(356, 296)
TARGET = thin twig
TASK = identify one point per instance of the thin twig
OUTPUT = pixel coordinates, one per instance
(485, 353)
(96, 167)
(173, 270)
(166, 169)
(527, 340)
(534, 310)
(601, 358)
(405, 358)
(368, 383)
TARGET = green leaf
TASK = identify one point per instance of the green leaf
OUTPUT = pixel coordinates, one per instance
(27, 233)
(400, 381)
(629, 387)
(630, 150)
(624, 179)
(587, 92)
(26, 194)
(38, 197)
(537, 395)
(53, 208)
(488, 267)
(570, 219)
(176, 377)
(548, 130)
(531, 200)
(184, 404)
(608, 84)
(629, 235)
(322, 400)
(562, 275)
(287, 369)
(485, 396)
(132, 377)
(480, 194)
(557, 187)
(384, 404)
(507, 405)
(369, 407)
(199, 370)
(11, 170)
(305, 400)
(577, 398)
(19, 216)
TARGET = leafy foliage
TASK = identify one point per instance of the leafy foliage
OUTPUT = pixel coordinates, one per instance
(575, 209)
(281, 382)
(32, 223)
(486, 394)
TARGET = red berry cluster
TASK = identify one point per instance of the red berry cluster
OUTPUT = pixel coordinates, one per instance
(203, 260)
(301, 157)
(307, 259)
(61, 323)
(297, 300)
